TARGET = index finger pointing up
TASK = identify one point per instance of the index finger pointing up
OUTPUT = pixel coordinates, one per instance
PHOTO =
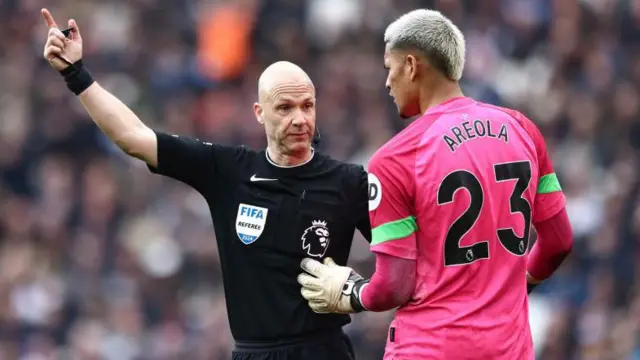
(48, 18)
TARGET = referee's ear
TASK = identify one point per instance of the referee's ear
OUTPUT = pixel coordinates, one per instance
(258, 112)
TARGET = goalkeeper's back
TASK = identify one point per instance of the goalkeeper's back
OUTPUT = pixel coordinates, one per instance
(460, 189)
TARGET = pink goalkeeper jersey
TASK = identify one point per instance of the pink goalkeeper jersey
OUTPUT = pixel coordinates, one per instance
(457, 191)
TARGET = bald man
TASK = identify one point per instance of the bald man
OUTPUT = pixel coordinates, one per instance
(270, 208)
(289, 128)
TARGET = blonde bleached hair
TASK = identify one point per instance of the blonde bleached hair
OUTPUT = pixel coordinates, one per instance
(433, 35)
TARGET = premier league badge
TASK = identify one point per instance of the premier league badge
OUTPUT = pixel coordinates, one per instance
(315, 239)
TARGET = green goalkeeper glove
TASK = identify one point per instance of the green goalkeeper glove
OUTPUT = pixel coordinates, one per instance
(331, 288)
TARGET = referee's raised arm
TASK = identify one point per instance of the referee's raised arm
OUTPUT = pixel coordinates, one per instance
(117, 121)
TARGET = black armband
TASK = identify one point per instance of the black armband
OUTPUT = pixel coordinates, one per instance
(77, 77)
(530, 287)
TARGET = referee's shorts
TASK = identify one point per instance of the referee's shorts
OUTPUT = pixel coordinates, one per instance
(329, 346)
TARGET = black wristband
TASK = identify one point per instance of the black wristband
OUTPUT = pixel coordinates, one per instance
(77, 77)
(356, 302)
(530, 287)
(352, 288)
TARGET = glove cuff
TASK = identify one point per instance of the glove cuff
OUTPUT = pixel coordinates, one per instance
(77, 77)
(356, 302)
(352, 289)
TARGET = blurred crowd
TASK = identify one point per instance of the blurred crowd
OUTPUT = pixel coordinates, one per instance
(99, 259)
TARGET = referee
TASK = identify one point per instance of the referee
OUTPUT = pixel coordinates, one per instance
(270, 208)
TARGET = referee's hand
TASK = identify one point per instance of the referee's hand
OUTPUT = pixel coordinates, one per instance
(59, 50)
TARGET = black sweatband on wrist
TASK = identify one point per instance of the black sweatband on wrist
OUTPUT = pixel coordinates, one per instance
(77, 77)
(356, 302)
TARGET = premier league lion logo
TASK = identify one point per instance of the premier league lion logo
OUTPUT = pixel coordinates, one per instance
(315, 239)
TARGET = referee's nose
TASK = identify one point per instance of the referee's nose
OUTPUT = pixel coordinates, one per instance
(299, 118)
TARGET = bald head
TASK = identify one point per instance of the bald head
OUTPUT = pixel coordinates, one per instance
(281, 73)
(287, 108)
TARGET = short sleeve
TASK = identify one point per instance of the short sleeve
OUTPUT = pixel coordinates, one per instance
(194, 162)
(549, 198)
(391, 210)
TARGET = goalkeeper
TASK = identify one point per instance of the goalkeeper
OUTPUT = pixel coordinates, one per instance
(453, 199)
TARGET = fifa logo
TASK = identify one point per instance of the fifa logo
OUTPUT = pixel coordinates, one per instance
(251, 212)
(315, 239)
(250, 222)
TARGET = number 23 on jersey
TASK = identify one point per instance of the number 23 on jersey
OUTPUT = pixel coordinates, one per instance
(454, 254)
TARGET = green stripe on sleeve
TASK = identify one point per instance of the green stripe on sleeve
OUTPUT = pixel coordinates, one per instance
(394, 230)
(548, 184)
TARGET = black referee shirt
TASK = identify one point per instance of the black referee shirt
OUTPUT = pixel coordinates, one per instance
(267, 219)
